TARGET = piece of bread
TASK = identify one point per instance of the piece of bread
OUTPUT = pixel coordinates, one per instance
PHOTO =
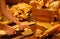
(21, 10)
(37, 3)
(27, 32)
(38, 32)
(53, 6)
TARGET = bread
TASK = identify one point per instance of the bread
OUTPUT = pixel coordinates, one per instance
(21, 10)
(53, 6)
(38, 3)
(27, 32)
(38, 32)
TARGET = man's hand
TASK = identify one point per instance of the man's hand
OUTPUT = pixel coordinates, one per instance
(23, 25)
(10, 31)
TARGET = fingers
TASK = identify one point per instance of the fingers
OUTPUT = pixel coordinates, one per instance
(23, 26)
(10, 31)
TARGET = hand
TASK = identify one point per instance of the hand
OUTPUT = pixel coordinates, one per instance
(23, 25)
(10, 31)
(52, 23)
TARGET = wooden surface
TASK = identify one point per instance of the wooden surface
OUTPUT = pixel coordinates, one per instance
(19, 36)
(34, 27)
(33, 36)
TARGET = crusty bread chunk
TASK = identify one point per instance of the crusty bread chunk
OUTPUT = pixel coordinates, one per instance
(27, 32)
